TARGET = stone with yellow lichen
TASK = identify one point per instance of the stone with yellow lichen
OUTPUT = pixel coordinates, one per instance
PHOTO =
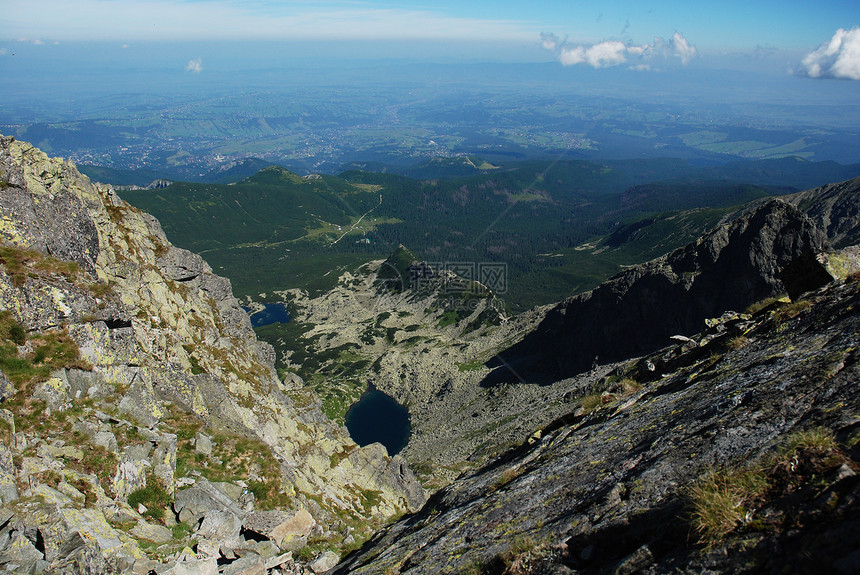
(139, 310)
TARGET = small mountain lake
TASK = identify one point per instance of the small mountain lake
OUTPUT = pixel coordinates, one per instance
(271, 313)
(378, 417)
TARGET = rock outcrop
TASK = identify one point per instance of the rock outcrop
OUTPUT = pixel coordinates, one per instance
(614, 486)
(733, 449)
(638, 310)
(834, 209)
(135, 348)
(463, 413)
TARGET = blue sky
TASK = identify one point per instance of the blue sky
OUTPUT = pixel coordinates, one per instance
(727, 24)
(602, 34)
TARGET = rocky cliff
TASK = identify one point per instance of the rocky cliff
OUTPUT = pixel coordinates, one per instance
(130, 369)
(638, 310)
(834, 209)
(469, 384)
(731, 451)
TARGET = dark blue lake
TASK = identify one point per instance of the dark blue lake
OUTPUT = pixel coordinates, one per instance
(377, 417)
(271, 313)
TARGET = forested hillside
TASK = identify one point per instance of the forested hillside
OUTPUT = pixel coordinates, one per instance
(559, 227)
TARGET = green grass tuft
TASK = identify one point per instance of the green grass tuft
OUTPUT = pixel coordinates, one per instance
(153, 496)
(724, 500)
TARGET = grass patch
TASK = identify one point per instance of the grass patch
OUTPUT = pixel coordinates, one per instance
(17, 261)
(51, 350)
(369, 499)
(233, 458)
(506, 477)
(153, 496)
(84, 487)
(629, 386)
(817, 439)
(196, 368)
(5, 432)
(11, 330)
(448, 318)
(737, 343)
(760, 305)
(790, 311)
(99, 462)
(522, 557)
(267, 493)
(729, 500)
(725, 500)
(22, 262)
(470, 366)
(591, 402)
(181, 531)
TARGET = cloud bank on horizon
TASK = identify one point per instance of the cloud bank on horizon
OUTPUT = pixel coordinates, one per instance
(614, 52)
(837, 58)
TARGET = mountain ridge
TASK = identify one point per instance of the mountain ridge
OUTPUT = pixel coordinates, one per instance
(635, 312)
(607, 488)
(161, 369)
(583, 474)
(613, 484)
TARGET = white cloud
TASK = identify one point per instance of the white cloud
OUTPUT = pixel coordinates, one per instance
(3, 51)
(614, 52)
(195, 66)
(682, 48)
(606, 54)
(38, 43)
(838, 58)
(602, 55)
(549, 41)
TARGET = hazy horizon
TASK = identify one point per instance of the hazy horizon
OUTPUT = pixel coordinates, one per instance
(332, 69)
(817, 41)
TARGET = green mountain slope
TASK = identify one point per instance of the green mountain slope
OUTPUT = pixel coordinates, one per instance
(277, 230)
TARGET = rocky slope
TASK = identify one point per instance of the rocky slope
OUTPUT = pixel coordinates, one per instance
(426, 348)
(464, 413)
(834, 209)
(731, 450)
(636, 311)
(468, 402)
(755, 421)
(129, 367)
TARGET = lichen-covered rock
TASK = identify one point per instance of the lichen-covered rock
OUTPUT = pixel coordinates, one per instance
(130, 476)
(193, 504)
(150, 532)
(291, 529)
(324, 562)
(8, 485)
(158, 335)
(220, 525)
(7, 389)
(65, 536)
